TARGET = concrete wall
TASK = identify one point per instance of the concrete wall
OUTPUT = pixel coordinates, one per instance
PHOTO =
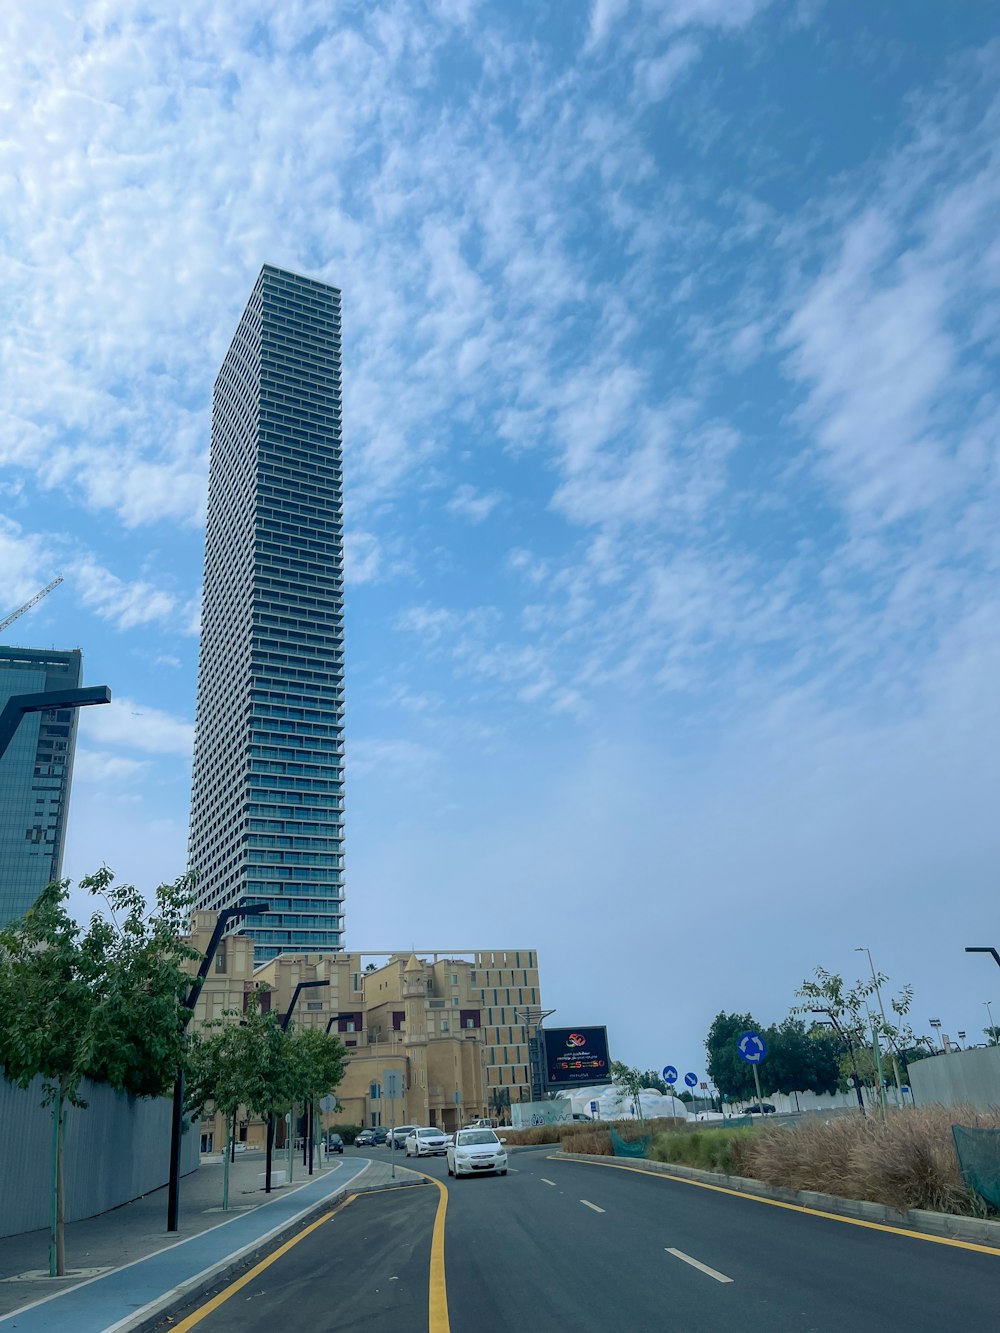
(116, 1150)
(972, 1077)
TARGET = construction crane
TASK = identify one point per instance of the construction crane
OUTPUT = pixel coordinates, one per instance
(31, 602)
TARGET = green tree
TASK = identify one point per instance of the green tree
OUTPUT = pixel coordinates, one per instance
(628, 1083)
(800, 1059)
(317, 1061)
(731, 1075)
(856, 1011)
(104, 1004)
(651, 1079)
(215, 1064)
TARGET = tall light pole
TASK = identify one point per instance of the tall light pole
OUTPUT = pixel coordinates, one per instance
(885, 1024)
(993, 1031)
(936, 1025)
(187, 1010)
(19, 704)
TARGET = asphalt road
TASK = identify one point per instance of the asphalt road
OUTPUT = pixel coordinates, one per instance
(569, 1245)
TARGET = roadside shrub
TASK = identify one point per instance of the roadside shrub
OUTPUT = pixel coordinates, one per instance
(908, 1162)
(712, 1150)
(596, 1141)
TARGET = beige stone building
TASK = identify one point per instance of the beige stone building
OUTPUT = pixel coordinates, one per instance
(454, 1024)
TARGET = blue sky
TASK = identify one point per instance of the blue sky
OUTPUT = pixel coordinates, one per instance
(671, 339)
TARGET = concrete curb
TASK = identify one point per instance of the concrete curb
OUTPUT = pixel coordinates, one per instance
(978, 1230)
(151, 1315)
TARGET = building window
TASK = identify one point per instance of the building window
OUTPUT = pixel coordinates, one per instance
(444, 1025)
(454, 978)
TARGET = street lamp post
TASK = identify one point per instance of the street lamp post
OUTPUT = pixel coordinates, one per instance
(936, 1025)
(885, 1024)
(18, 705)
(188, 1006)
(993, 1031)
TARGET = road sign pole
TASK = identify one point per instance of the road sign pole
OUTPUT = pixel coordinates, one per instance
(756, 1083)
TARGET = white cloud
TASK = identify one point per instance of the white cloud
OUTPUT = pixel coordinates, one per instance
(468, 503)
(125, 605)
(389, 760)
(362, 557)
(126, 722)
(97, 766)
(604, 15)
(654, 78)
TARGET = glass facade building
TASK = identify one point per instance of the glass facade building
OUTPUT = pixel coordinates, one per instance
(267, 799)
(35, 776)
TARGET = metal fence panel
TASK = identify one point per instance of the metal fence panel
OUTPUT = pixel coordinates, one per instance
(116, 1150)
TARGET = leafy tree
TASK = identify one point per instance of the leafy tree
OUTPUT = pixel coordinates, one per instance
(992, 1035)
(104, 1004)
(800, 1060)
(216, 1061)
(317, 1061)
(651, 1079)
(727, 1071)
(853, 1016)
(628, 1083)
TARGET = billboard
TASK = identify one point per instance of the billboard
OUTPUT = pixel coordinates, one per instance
(576, 1056)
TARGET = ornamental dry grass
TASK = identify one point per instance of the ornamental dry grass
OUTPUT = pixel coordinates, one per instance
(908, 1162)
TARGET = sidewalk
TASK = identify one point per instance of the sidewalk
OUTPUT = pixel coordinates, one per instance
(124, 1269)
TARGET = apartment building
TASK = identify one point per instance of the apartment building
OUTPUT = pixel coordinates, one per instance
(454, 1025)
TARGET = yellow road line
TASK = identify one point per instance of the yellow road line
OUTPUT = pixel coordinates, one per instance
(241, 1282)
(798, 1208)
(437, 1298)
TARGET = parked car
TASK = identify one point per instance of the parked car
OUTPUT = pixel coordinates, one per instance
(760, 1108)
(428, 1142)
(334, 1143)
(397, 1136)
(379, 1136)
(476, 1151)
(365, 1139)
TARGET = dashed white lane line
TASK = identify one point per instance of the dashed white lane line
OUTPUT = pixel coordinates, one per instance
(696, 1263)
(587, 1204)
(546, 1181)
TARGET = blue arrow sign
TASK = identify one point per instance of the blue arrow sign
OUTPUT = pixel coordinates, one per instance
(691, 1080)
(751, 1048)
(669, 1074)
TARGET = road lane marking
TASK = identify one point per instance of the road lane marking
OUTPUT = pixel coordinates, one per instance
(546, 1181)
(587, 1204)
(696, 1263)
(437, 1295)
(801, 1208)
(241, 1282)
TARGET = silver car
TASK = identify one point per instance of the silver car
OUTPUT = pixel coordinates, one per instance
(476, 1151)
(426, 1143)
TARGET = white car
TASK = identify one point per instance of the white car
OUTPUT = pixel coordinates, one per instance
(475, 1151)
(398, 1136)
(426, 1143)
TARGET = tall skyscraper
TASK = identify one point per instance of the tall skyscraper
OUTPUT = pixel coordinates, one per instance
(35, 776)
(267, 802)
